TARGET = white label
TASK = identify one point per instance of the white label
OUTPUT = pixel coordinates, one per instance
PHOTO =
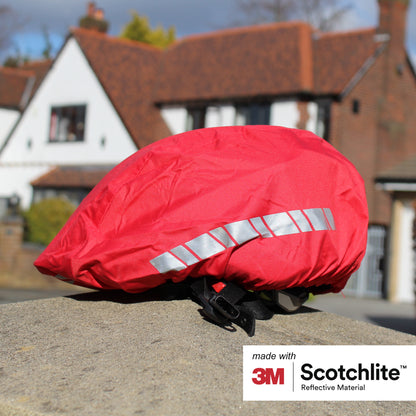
(335, 372)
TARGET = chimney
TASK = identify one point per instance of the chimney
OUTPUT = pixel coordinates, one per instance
(94, 19)
(392, 21)
(99, 14)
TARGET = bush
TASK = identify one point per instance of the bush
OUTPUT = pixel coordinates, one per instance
(44, 219)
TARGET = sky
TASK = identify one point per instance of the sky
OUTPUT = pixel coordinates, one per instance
(187, 16)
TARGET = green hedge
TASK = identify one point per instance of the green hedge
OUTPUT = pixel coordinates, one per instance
(44, 219)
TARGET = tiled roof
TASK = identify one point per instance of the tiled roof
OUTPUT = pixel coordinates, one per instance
(259, 60)
(339, 56)
(127, 70)
(40, 69)
(403, 172)
(13, 84)
(72, 177)
(17, 85)
(274, 59)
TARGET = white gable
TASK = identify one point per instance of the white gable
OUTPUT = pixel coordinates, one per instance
(70, 82)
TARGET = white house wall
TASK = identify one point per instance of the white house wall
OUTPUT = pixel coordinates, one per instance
(175, 118)
(70, 81)
(220, 115)
(312, 123)
(404, 253)
(8, 119)
(15, 179)
(285, 114)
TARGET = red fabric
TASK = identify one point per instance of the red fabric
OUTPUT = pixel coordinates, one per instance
(176, 191)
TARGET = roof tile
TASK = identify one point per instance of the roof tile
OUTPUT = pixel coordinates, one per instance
(263, 60)
(338, 56)
(17, 85)
(72, 177)
(127, 70)
(258, 60)
(13, 84)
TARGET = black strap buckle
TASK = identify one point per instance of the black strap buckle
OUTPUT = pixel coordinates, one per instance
(224, 307)
(228, 305)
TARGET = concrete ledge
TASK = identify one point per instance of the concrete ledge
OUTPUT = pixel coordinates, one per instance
(117, 354)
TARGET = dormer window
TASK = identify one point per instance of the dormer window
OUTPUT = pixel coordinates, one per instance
(67, 123)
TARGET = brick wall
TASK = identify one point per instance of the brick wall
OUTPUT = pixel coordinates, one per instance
(11, 237)
(16, 260)
(379, 133)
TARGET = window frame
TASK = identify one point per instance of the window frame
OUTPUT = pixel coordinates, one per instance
(74, 116)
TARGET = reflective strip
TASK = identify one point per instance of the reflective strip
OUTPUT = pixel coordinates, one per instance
(281, 224)
(261, 227)
(241, 231)
(330, 218)
(167, 262)
(185, 255)
(317, 219)
(205, 246)
(300, 220)
(218, 239)
(222, 235)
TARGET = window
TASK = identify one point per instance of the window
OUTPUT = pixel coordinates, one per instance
(254, 113)
(195, 118)
(67, 123)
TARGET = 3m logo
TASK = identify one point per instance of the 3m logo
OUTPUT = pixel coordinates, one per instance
(236, 233)
(269, 376)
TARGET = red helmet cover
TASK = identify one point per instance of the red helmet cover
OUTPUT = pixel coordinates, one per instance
(266, 207)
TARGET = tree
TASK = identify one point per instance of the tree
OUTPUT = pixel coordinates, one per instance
(322, 14)
(16, 60)
(139, 29)
(47, 50)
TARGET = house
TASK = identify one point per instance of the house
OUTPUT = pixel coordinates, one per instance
(357, 89)
(89, 113)
(103, 98)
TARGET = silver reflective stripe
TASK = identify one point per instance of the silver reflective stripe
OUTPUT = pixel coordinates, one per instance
(222, 235)
(300, 220)
(261, 227)
(205, 246)
(317, 218)
(241, 231)
(167, 262)
(218, 239)
(185, 255)
(330, 218)
(281, 224)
